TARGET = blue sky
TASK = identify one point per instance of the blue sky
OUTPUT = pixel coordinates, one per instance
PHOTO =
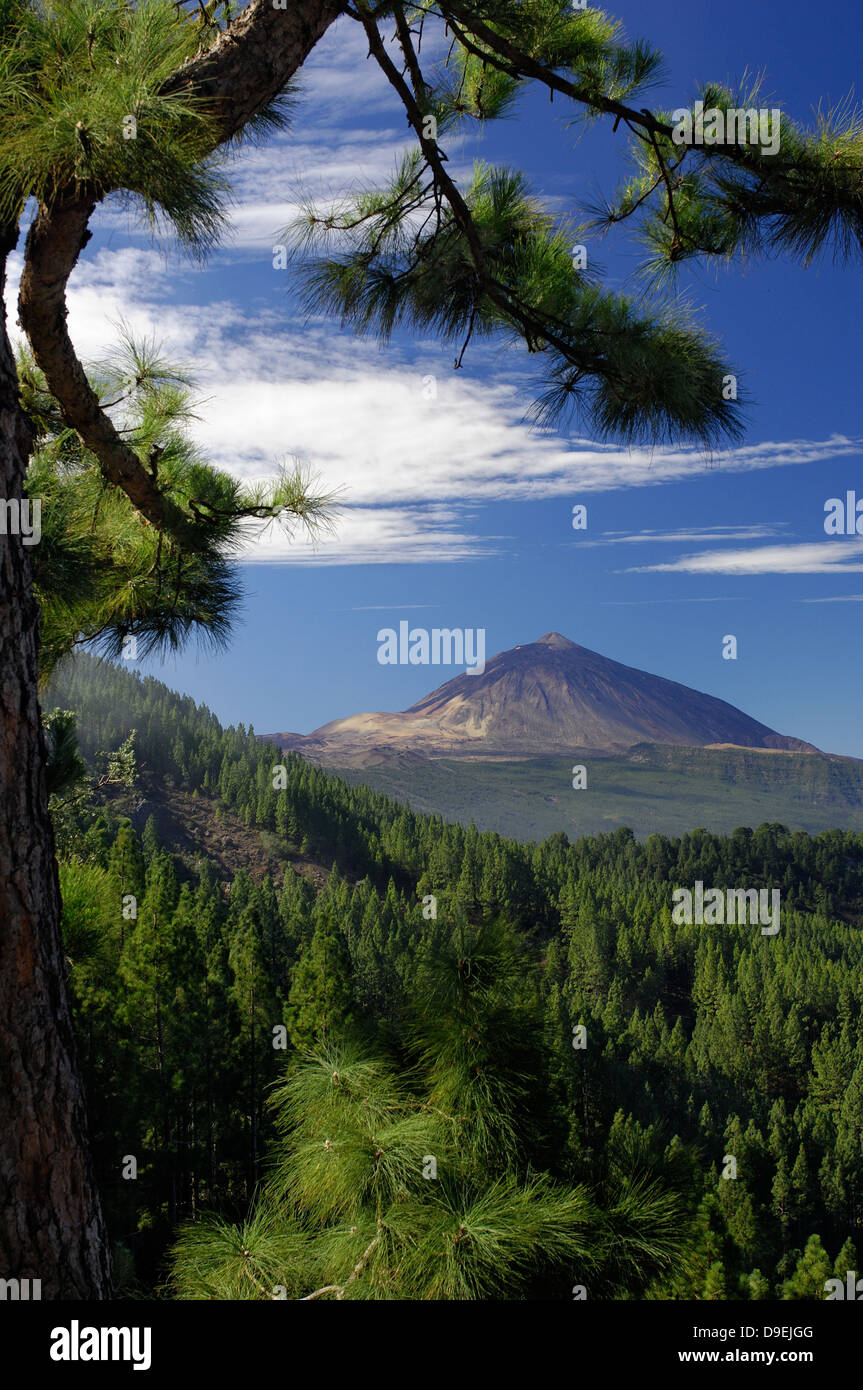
(456, 514)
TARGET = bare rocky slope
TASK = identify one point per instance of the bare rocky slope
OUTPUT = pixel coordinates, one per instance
(546, 697)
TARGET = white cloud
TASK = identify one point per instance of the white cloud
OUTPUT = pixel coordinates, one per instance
(757, 531)
(326, 167)
(835, 598)
(272, 386)
(820, 557)
(339, 83)
(649, 602)
(412, 470)
(379, 536)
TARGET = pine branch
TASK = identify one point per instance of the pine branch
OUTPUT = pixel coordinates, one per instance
(54, 243)
(339, 1289)
(514, 61)
(240, 74)
(534, 328)
(537, 328)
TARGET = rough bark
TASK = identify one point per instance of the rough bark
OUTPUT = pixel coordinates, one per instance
(253, 60)
(51, 1226)
(56, 238)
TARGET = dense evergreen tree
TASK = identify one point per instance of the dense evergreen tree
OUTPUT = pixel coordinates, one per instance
(321, 1006)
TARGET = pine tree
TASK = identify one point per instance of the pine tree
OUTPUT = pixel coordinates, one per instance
(758, 1287)
(811, 1273)
(258, 1010)
(846, 1260)
(321, 1006)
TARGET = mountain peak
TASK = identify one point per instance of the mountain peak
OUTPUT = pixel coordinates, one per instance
(546, 697)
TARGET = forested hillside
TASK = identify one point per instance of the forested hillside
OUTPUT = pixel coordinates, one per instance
(581, 1069)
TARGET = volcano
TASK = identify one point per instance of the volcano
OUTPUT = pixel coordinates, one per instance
(546, 697)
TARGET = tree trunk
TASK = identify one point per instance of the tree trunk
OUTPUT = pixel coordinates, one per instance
(51, 1225)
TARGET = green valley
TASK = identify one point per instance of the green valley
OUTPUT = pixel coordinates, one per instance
(652, 788)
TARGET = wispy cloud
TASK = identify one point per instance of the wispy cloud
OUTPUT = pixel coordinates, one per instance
(645, 602)
(756, 531)
(820, 557)
(413, 446)
(420, 535)
(835, 598)
(341, 163)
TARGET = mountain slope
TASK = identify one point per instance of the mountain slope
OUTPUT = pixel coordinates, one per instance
(549, 696)
(653, 788)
